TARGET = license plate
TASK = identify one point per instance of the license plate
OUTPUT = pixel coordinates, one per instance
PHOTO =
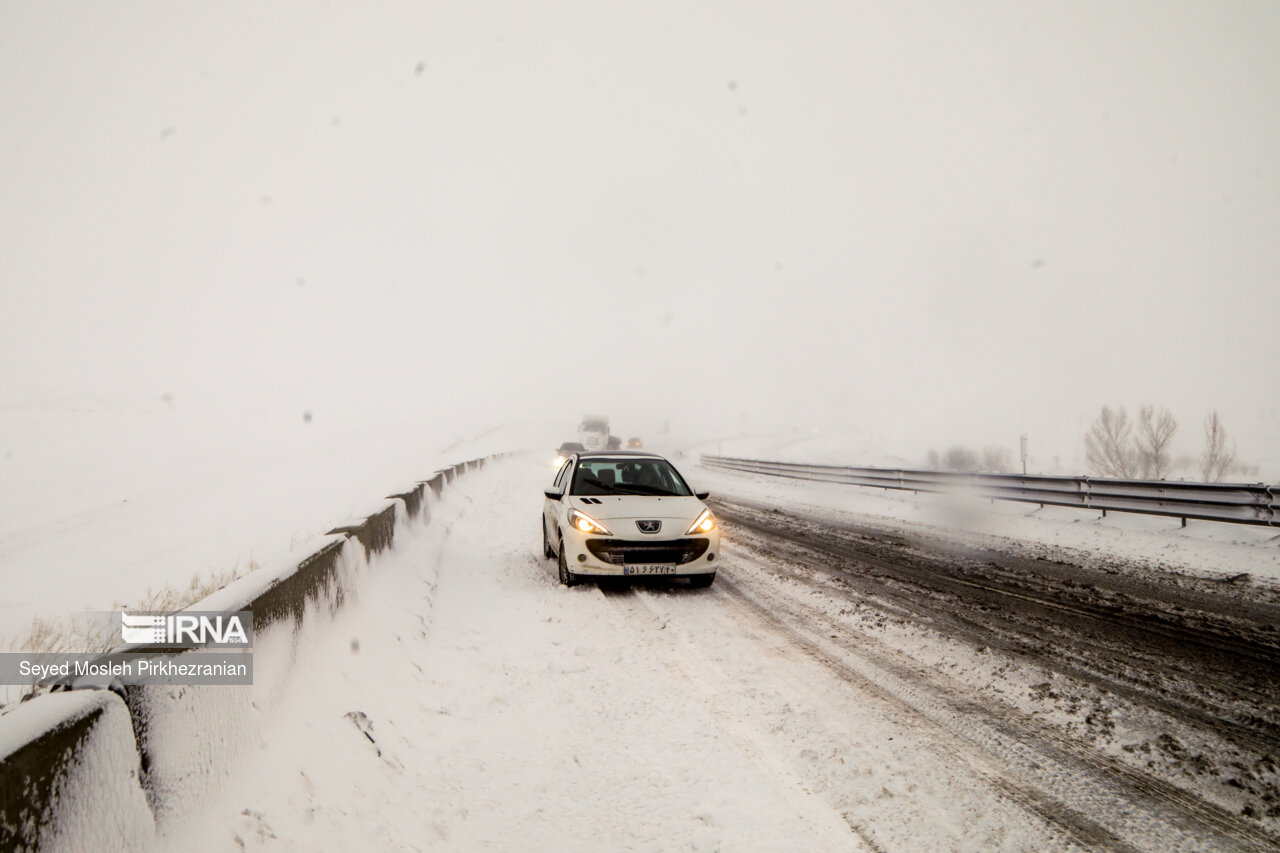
(649, 569)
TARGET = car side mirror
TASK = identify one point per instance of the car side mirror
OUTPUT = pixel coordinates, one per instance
(702, 496)
(552, 495)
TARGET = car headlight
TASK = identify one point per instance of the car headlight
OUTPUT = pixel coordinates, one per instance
(560, 460)
(705, 523)
(586, 524)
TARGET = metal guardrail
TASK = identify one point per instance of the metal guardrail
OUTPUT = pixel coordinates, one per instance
(1239, 503)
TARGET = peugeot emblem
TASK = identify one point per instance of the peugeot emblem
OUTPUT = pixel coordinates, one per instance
(649, 526)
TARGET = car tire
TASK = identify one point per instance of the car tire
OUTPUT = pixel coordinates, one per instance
(567, 577)
(546, 543)
(702, 581)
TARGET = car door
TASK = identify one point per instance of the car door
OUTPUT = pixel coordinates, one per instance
(551, 509)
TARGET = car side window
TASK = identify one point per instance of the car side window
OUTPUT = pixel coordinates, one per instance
(560, 478)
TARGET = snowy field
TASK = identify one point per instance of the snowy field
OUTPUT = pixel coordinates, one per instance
(110, 501)
(468, 701)
(861, 448)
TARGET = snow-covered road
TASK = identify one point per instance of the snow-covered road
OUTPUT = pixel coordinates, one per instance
(468, 701)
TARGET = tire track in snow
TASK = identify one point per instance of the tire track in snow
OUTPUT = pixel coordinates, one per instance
(886, 827)
(1085, 661)
(1125, 630)
(1199, 716)
(1069, 825)
(834, 827)
(1092, 797)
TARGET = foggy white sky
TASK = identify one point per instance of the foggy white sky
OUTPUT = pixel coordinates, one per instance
(933, 223)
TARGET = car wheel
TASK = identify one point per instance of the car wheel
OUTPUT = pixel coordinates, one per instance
(567, 577)
(546, 543)
(699, 581)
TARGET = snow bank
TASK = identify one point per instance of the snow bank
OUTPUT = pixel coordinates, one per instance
(191, 737)
(85, 770)
(70, 775)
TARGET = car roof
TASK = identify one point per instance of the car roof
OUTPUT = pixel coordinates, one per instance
(610, 454)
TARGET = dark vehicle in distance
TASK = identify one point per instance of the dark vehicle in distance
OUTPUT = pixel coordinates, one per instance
(566, 449)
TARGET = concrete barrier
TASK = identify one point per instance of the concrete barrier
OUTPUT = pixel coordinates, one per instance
(70, 776)
(315, 578)
(375, 531)
(436, 484)
(415, 500)
(188, 737)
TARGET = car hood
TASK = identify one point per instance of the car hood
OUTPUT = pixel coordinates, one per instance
(613, 507)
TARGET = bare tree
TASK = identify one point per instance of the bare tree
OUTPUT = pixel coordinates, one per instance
(1218, 459)
(960, 459)
(1106, 445)
(996, 460)
(1155, 431)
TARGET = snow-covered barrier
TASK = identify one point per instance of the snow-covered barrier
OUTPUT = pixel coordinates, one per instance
(189, 736)
(70, 775)
(86, 769)
(415, 500)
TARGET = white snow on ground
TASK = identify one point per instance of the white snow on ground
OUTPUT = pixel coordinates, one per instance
(468, 701)
(503, 712)
(1207, 548)
(463, 699)
(101, 500)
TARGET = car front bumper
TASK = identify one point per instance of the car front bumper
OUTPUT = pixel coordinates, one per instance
(589, 555)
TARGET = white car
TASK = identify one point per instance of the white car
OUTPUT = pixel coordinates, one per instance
(614, 514)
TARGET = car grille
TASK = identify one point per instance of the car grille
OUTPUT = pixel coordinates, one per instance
(633, 551)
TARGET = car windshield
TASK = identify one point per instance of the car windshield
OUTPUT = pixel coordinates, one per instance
(628, 477)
